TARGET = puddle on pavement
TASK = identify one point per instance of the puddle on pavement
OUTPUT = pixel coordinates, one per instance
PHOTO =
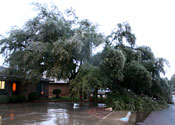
(53, 113)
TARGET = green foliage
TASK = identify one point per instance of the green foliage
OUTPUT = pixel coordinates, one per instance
(65, 99)
(17, 98)
(129, 53)
(141, 73)
(21, 98)
(32, 96)
(88, 78)
(112, 63)
(161, 90)
(123, 32)
(137, 78)
(13, 98)
(121, 100)
(127, 100)
(96, 59)
(56, 92)
(51, 44)
(154, 65)
(145, 53)
(4, 99)
(172, 81)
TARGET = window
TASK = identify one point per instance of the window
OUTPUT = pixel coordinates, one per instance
(2, 84)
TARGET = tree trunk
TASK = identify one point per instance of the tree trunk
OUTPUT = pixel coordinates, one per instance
(95, 93)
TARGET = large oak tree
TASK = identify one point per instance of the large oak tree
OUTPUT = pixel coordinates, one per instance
(50, 44)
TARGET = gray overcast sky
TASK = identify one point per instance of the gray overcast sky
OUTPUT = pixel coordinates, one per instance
(152, 21)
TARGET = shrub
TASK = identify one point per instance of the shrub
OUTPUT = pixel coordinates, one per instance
(4, 99)
(56, 92)
(21, 98)
(32, 96)
(124, 100)
(65, 98)
(13, 98)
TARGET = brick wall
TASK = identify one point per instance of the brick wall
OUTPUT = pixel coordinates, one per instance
(22, 88)
(25, 89)
(63, 87)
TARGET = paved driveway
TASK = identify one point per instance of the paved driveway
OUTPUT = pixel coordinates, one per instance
(55, 113)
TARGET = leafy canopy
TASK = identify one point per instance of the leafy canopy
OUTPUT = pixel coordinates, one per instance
(50, 45)
(54, 45)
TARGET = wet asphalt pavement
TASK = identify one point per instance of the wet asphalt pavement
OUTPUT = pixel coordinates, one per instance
(55, 113)
(162, 117)
(45, 114)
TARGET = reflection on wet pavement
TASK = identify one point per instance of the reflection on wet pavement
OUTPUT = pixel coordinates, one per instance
(45, 114)
(52, 113)
(101, 105)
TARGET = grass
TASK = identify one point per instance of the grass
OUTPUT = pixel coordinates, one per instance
(69, 99)
(64, 98)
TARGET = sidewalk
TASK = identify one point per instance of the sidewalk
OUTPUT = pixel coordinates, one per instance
(162, 117)
(117, 118)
